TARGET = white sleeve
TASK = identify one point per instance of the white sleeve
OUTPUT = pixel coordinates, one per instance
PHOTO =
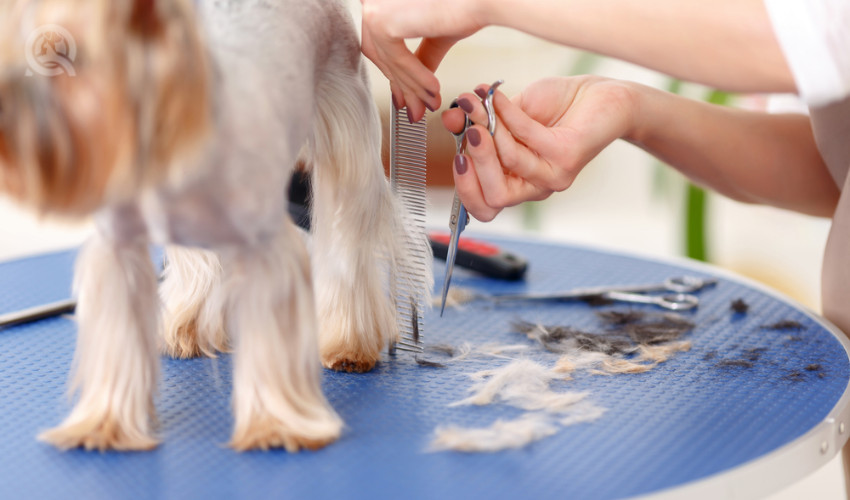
(815, 38)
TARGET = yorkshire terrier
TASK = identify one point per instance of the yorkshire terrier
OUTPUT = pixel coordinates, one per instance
(181, 124)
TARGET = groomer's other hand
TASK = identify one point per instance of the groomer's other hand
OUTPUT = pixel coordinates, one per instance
(544, 137)
(440, 24)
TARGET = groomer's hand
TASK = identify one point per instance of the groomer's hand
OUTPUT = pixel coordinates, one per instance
(544, 137)
(440, 24)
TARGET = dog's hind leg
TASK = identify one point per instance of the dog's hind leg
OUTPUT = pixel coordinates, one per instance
(116, 363)
(357, 227)
(192, 294)
(277, 394)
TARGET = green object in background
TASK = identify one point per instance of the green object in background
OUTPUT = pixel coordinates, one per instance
(532, 215)
(695, 223)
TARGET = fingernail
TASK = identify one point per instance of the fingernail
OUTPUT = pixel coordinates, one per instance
(430, 94)
(473, 137)
(481, 93)
(430, 108)
(460, 164)
(465, 105)
(409, 116)
(395, 102)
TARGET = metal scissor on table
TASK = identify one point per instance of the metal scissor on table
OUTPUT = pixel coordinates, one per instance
(677, 293)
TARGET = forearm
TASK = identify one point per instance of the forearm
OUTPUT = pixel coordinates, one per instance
(727, 44)
(748, 156)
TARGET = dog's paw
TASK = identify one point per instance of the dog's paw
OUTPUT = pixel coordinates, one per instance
(344, 364)
(348, 352)
(98, 434)
(264, 434)
(343, 360)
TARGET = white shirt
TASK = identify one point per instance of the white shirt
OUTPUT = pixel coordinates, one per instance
(815, 38)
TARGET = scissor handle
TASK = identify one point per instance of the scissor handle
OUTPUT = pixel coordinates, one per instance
(678, 301)
(488, 106)
(687, 284)
(671, 301)
(460, 135)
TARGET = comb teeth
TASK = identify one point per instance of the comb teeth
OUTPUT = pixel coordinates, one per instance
(407, 177)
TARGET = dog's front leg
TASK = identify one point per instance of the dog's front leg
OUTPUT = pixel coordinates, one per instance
(357, 229)
(116, 363)
(277, 394)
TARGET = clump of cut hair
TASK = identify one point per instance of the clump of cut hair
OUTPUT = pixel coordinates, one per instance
(785, 324)
(739, 306)
(522, 384)
(636, 342)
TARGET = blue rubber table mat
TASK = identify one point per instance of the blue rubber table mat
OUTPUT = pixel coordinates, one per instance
(687, 419)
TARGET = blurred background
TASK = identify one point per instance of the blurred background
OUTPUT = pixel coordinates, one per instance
(624, 200)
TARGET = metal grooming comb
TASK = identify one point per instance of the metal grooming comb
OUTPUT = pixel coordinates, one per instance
(407, 178)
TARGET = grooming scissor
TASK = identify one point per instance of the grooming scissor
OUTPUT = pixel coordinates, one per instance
(459, 218)
(679, 296)
(39, 312)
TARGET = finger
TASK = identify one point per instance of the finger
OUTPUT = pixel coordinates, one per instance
(522, 126)
(513, 155)
(454, 120)
(414, 106)
(367, 46)
(370, 51)
(409, 74)
(474, 109)
(468, 190)
(525, 146)
(397, 95)
(418, 80)
(408, 94)
(431, 51)
(500, 189)
(409, 70)
(549, 157)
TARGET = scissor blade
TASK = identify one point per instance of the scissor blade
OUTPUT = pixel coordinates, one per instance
(448, 279)
(457, 224)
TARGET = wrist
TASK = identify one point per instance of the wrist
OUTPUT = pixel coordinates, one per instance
(638, 129)
(494, 12)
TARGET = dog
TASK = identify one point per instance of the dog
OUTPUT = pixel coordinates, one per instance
(181, 125)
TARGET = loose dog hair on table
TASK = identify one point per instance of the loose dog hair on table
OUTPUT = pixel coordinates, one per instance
(181, 124)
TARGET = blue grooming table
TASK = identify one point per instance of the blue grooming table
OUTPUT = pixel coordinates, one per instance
(691, 428)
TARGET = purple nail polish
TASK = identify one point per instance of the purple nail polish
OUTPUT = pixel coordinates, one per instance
(481, 93)
(410, 116)
(395, 102)
(460, 164)
(465, 105)
(430, 108)
(430, 94)
(473, 137)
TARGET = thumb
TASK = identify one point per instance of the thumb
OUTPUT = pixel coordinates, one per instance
(432, 51)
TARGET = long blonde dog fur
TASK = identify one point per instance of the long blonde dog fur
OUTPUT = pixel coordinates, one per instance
(182, 125)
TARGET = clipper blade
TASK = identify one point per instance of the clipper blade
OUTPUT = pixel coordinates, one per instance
(411, 288)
